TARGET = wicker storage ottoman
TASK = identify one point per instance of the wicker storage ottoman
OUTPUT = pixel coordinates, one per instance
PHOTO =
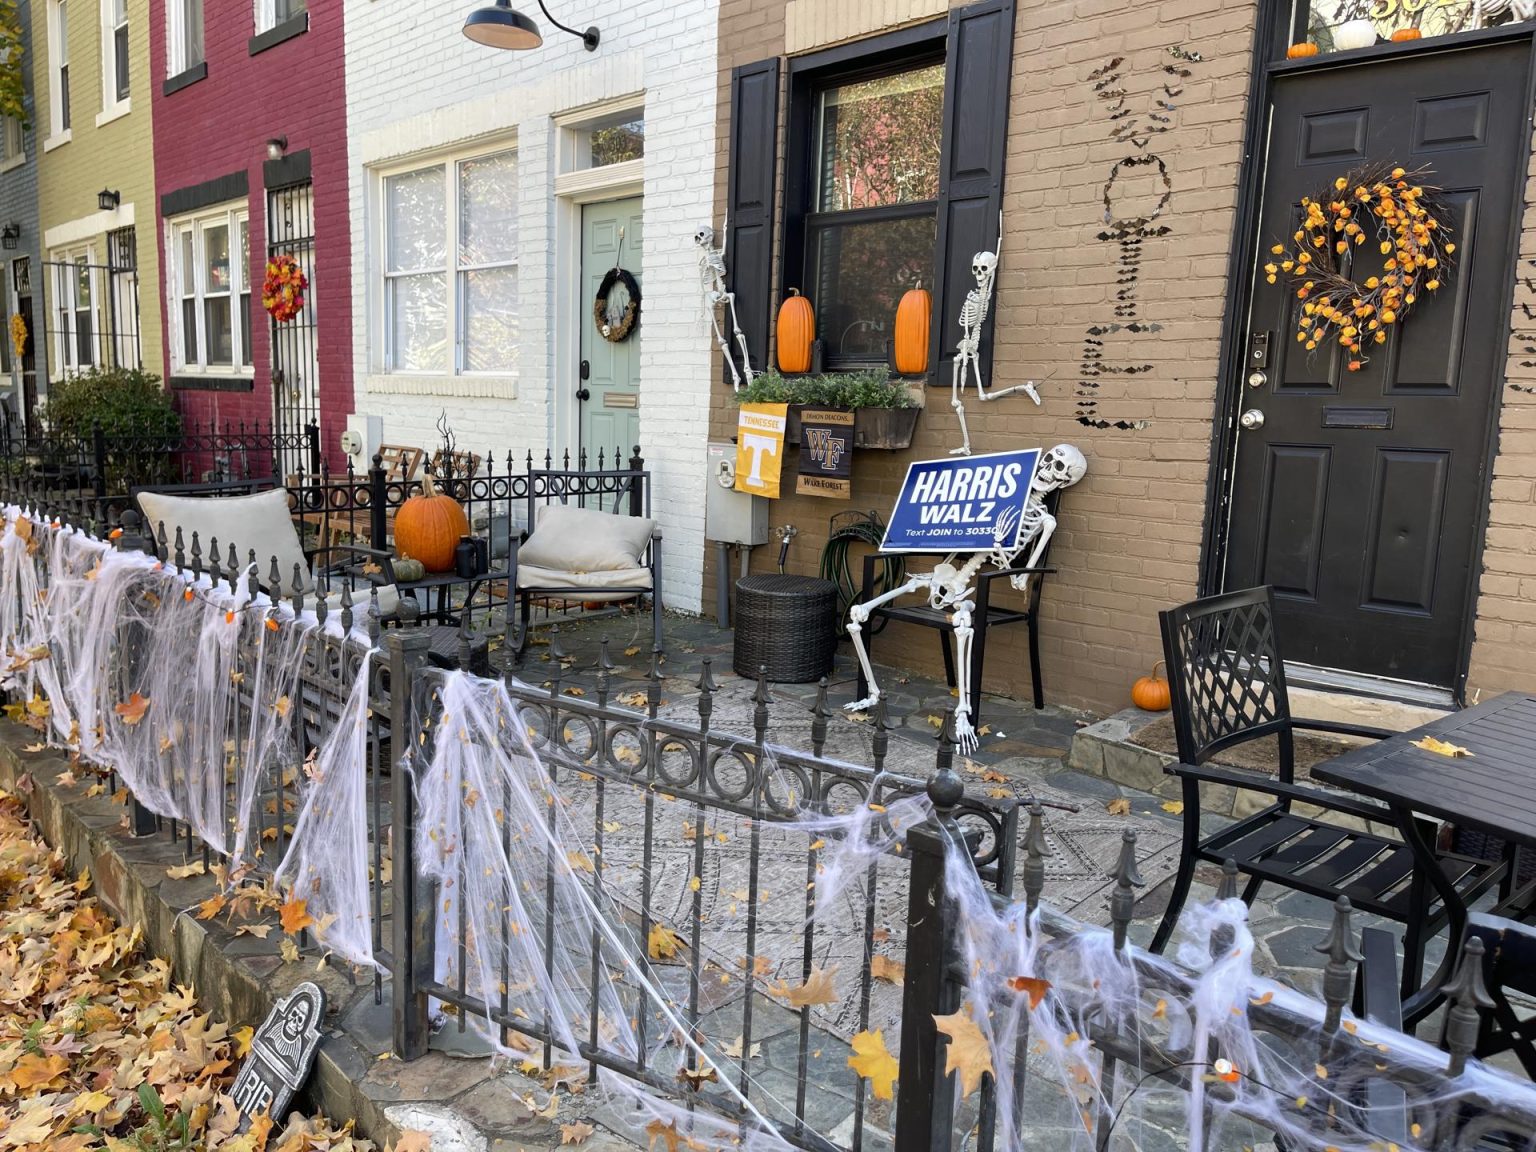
(789, 624)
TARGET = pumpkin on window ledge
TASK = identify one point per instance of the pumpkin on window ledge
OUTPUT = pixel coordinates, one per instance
(914, 320)
(429, 526)
(1302, 50)
(797, 331)
(1405, 34)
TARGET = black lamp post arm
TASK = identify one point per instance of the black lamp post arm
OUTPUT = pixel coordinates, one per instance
(589, 38)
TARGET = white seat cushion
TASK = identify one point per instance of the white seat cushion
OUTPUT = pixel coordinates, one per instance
(260, 522)
(389, 600)
(595, 586)
(570, 539)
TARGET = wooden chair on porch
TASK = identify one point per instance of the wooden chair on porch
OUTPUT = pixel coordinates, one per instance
(1226, 677)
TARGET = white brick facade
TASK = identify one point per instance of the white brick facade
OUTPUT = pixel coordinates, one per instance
(416, 86)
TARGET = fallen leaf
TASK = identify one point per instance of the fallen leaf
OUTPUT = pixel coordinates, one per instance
(295, 917)
(662, 943)
(656, 1130)
(413, 1140)
(1036, 988)
(1173, 806)
(211, 907)
(967, 1052)
(281, 706)
(288, 950)
(817, 989)
(196, 868)
(734, 1049)
(872, 1060)
(260, 931)
(576, 1133)
(1442, 748)
(632, 650)
(1118, 807)
(242, 1038)
(884, 968)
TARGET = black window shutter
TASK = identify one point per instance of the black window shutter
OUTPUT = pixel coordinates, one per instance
(979, 59)
(749, 201)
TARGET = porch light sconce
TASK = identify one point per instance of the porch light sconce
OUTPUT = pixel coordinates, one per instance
(277, 147)
(107, 199)
(503, 26)
(10, 236)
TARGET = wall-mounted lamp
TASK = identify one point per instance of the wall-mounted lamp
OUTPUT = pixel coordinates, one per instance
(107, 199)
(10, 237)
(502, 26)
(276, 147)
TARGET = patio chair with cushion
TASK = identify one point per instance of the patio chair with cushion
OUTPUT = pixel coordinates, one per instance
(1227, 682)
(261, 524)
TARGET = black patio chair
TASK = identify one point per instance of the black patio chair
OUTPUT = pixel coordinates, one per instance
(1509, 966)
(987, 615)
(1227, 681)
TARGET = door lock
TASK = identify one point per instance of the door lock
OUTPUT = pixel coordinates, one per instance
(1251, 419)
(1257, 379)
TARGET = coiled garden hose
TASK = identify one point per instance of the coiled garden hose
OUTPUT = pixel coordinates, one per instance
(866, 528)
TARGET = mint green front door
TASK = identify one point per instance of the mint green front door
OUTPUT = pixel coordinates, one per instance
(608, 396)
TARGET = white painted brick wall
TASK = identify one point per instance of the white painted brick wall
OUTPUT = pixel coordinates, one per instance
(416, 85)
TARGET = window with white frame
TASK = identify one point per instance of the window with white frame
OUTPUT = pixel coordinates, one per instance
(271, 13)
(184, 35)
(210, 291)
(75, 338)
(58, 66)
(13, 140)
(114, 54)
(450, 267)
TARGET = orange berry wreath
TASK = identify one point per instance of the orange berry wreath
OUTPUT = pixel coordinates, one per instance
(1382, 211)
(282, 292)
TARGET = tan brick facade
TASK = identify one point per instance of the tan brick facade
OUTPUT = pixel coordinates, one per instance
(116, 155)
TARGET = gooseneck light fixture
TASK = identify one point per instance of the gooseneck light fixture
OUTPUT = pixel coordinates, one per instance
(503, 26)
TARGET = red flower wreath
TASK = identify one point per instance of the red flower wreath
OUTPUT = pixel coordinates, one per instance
(282, 293)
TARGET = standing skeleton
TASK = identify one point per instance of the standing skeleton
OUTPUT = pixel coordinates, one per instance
(973, 314)
(949, 585)
(712, 284)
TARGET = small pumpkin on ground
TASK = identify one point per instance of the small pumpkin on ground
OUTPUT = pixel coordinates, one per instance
(1150, 693)
(797, 331)
(428, 527)
(914, 316)
(408, 569)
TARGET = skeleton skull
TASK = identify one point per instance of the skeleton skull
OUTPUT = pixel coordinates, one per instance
(705, 237)
(983, 265)
(1061, 467)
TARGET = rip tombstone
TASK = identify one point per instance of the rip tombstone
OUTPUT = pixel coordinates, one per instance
(282, 1052)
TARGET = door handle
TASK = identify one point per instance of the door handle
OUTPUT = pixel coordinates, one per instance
(1251, 419)
(583, 394)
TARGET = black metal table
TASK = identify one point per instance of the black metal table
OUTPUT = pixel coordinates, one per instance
(444, 582)
(1493, 791)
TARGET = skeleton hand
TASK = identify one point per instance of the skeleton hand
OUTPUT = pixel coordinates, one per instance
(1007, 526)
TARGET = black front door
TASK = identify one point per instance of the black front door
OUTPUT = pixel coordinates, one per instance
(1357, 497)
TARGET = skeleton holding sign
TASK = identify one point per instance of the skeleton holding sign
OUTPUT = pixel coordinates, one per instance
(950, 586)
(712, 285)
(973, 314)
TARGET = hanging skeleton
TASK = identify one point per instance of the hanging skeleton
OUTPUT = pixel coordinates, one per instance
(712, 286)
(973, 314)
(949, 585)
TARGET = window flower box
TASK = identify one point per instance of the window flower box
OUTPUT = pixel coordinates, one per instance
(885, 410)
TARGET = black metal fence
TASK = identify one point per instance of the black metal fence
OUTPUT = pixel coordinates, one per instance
(295, 342)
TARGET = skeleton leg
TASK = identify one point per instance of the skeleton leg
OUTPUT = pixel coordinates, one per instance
(858, 615)
(1028, 387)
(957, 402)
(725, 347)
(965, 734)
(741, 337)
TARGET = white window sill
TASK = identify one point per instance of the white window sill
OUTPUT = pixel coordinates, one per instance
(13, 163)
(420, 384)
(55, 141)
(115, 112)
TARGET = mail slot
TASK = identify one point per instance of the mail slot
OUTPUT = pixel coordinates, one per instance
(1357, 418)
(620, 400)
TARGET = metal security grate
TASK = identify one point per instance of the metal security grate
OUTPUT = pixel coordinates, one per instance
(295, 366)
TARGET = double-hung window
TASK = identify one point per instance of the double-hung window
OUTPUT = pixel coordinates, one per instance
(58, 67)
(450, 267)
(114, 54)
(210, 292)
(76, 335)
(271, 13)
(184, 35)
(13, 140)
(871, 227)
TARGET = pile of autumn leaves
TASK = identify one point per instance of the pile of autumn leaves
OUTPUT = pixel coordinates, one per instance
(97, 1050)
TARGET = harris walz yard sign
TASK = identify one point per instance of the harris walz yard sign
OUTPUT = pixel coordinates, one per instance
(826, 453)
(960, 505)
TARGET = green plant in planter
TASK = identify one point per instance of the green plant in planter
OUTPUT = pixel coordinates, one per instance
(865, 388)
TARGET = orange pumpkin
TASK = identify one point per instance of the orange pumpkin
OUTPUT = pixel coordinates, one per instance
(428, 527)
(914, 316)
(1299, 51)
(797, 329)
(1403, 34)
(1150, 693)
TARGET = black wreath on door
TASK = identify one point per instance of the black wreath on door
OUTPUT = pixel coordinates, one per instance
(617, 307)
